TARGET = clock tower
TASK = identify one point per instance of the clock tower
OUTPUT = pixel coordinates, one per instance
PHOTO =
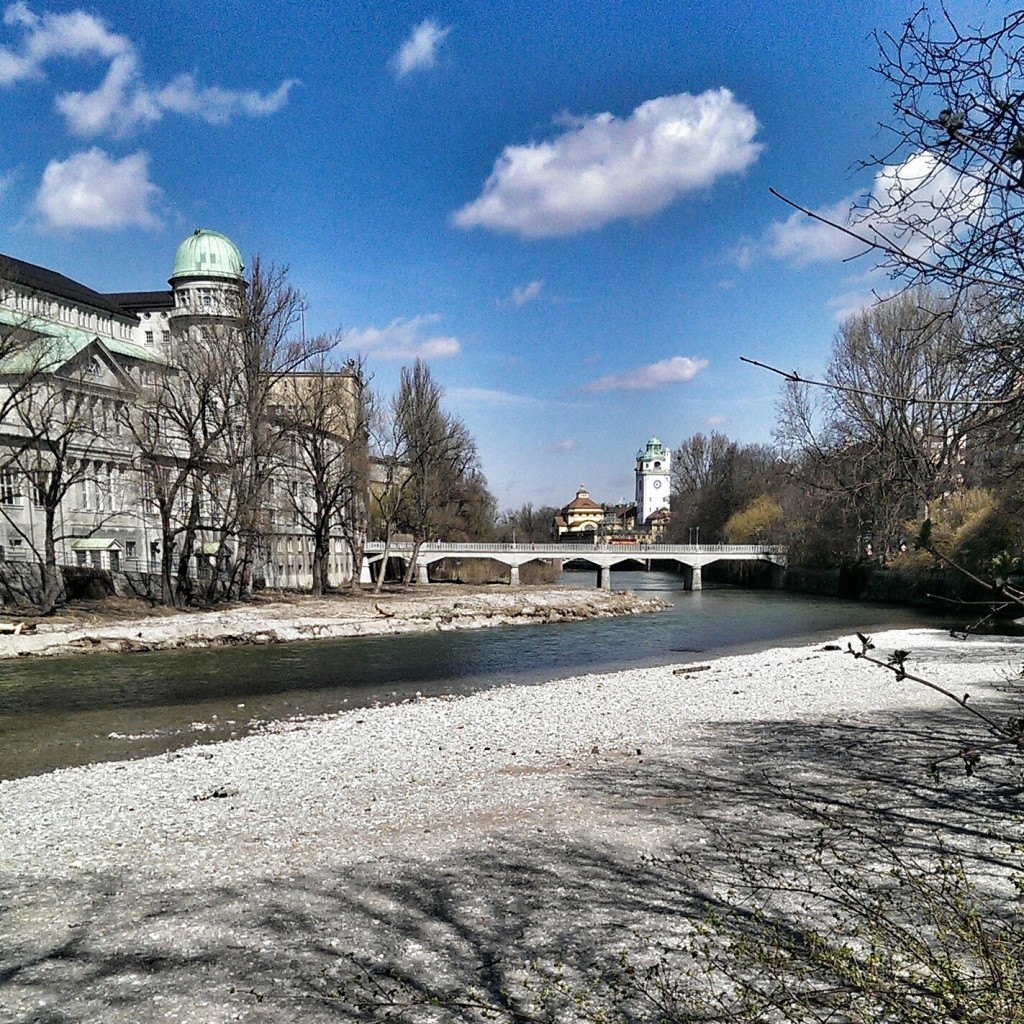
(653, 479)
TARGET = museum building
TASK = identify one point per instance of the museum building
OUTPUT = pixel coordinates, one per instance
(66, 352)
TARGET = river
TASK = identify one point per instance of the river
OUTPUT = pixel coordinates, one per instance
(60, 712)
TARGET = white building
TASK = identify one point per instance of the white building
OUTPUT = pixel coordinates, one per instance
(78, 370)
(653, 480)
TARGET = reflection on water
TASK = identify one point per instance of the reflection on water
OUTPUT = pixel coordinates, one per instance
(64, 711)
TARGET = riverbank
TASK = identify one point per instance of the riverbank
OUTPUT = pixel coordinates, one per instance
(122, 626)
(465, 841)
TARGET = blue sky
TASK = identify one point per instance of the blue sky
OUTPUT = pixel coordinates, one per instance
(562, 207)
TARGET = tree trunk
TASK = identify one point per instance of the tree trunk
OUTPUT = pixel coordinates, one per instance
(384, 561)
(51, 575)
(410, 569)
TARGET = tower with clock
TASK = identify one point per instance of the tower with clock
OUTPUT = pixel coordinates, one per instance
(653, 477)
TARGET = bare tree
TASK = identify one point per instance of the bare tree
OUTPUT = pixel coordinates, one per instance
(714, 477)
(178, 429)
(437, 453)
(890, 431)
(323, 414)
(947, 209)
(527, 523)
(267, 351)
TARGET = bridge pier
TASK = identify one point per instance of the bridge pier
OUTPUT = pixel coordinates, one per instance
(365, 576)
(513, 575)
(423, 573)
(692, 578)
(604, 577)
(778, 576)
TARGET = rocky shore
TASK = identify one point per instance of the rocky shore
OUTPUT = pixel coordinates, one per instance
(437, 607)
(477, 843)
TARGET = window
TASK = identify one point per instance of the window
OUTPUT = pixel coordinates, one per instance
(9, 494)
(149, 337)
(129, 549)
(40, 485)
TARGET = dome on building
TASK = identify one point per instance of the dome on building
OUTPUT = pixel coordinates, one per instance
(207, 254)
(655, 449)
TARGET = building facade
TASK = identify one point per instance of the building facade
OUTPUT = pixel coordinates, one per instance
(99, 460)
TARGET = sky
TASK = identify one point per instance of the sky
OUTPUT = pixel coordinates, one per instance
(562, 207)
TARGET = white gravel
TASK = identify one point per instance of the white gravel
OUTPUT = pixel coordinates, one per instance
(401, 789)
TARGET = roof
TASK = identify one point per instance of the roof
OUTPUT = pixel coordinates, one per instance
(39, 279)
(140, 301)
(654, 450)
(55, 344)
(583, 502)
(207, 254)
(95, 544)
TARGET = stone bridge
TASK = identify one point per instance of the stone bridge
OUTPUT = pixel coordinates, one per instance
(603, 557)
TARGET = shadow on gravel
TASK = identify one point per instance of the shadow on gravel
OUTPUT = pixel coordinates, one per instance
(524, 904)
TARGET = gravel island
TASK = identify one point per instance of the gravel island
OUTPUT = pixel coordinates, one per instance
(266, 621)
(463, 842)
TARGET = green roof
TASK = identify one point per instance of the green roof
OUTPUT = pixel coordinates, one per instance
(655, 449)
(56, 344)
(207, 254)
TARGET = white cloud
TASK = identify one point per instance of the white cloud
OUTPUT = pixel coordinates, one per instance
(419, 51)
(404, 338)
(564, 447)
(647, 378)
(76, 34)
(715, 421)
(525, 294)
(487, 397)
(602, 168)
(850, 303)
(916, 205)
(93, 190)
(122, 102)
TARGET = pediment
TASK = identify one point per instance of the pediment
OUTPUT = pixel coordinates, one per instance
(95, 366)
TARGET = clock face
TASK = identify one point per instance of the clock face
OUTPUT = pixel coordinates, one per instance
(657, 483)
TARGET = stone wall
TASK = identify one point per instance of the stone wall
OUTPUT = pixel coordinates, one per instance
(488, 570)
(862, 582)
(21, 585)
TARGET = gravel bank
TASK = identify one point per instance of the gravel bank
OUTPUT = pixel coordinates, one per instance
(437, 607)
(237, 882)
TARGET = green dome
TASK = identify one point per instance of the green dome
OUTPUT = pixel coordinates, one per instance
(207, 254)
(655, 449)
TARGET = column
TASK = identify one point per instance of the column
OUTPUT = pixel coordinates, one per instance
(365, 576)
(513, 575)
(604, 577)
(423, 574)
(695, 583)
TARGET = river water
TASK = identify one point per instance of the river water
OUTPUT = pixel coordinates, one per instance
(58, 712)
